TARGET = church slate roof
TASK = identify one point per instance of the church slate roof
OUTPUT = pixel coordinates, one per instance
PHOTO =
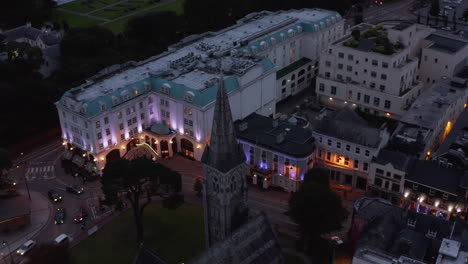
(398, 160)
(346, 124)
(253, 243)
(223, 153)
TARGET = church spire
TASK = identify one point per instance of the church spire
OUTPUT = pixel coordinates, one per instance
(223, 153)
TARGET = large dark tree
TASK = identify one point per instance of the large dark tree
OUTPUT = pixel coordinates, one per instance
(318, 175)
(317, 210)
(48, 254)
(18, 12)
(435, 8)
(137, 180)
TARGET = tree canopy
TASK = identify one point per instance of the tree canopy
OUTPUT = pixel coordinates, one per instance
(317, 210)
(136, 181)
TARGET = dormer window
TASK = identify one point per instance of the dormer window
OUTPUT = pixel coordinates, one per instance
(431, 232)
(125, 95)
(273, 41)
(254, 49)
(136, 91)
(291, 33)
(103, 106)
(299, 29)
(263, 45)
(412, 222)
(283, 36)
(147, 86)
(115, 100)
(188, 96)
(84, 108)
(166, 88)
(316, 27)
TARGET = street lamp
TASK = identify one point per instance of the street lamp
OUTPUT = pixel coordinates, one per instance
(4, 243)
(26, 180)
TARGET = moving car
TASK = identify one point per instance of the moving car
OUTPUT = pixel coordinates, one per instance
(54, 196)
(80, 214)
(59, 216)
(26, 247)
(73, 188)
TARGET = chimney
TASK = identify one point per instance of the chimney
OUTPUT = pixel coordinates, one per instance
(243, 126)
(280, 138)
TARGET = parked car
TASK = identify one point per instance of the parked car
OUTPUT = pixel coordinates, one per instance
(73, 188)
(446, 28)
(61, 240)
(9, 181)
(456, 32)
(54, 196)
(336, 240)
(26, 247)
(59, 216)
(80, 214)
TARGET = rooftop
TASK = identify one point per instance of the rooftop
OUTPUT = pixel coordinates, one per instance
(261, 130)
(346, 124)
(194, 63)
(428, 109)
(372, 39)
(445, 44)
(434, 176)
(458, 136)
(398, 160)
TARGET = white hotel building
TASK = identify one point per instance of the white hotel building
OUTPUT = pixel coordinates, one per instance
(167, 101)
(382, 84)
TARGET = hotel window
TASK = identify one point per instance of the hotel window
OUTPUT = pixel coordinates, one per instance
(356, 164)
(383, 76)
(106, 120)
(445, 196)
(375, 62)
(338, 144)
(366, 98)
(99, 135)
(373, 74)
(329, 142)
(367, 153)
(327, 63)
(251, 151)
(134, 120)
(376, 101)
(101, 146)
(431, 192)
(378, 182)
(141, 105)
(87, 136)
(346, 161)
(384, 65)
(328, 156)
(348, 147)
(135, 130)
(340, 54)
(387, 104)
(321, 87)
(397, 177)
(142, 116)
(128, 111)
(379, 172)
(119, 115)
(359, 96)
(358, 150)
(98, 124)
(382, 87)
(337, 158)
(107, 131)
(122, 137)
(365, 166)
(333, 90)
(340, 66)
(129, 122)
(320, 139)
(150, 100)
(190, 123)
(109, 142)
(350, 57)
(349, 68)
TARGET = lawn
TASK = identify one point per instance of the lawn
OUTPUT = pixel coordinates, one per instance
(85, 6)
(125, 8)
(75, 21)
(176, 235)
(119, 25)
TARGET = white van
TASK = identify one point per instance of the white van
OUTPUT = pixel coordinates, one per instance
(61, 240)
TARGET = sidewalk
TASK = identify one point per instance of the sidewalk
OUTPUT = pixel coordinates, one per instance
(40, 215)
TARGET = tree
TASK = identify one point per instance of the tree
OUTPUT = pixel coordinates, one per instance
(356, 33)
(317, 210)
(198, 186)
(435, 8)
(5, 162)
(137, 180)
(318, 175)
(48, 254)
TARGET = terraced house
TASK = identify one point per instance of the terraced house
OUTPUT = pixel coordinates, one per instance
(165, 104)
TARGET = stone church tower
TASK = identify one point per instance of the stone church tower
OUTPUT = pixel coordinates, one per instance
(224, 168)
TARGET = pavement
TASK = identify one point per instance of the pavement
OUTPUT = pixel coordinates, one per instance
(40, 216)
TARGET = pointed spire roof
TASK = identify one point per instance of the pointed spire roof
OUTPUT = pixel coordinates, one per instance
(223, 152)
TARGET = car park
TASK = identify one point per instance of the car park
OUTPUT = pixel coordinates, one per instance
(54, 196)
(26, 247)
(80, 214)
(59, 216)
(73, 188)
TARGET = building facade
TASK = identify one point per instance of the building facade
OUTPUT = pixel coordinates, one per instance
(116, 109)
(346, 144)
(279, 153)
